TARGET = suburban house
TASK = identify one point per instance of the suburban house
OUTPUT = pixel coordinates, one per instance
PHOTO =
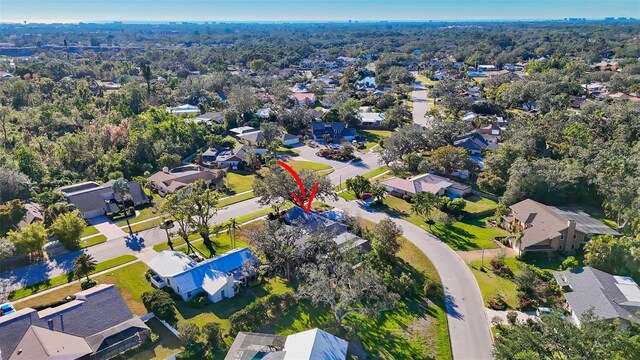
(169, 181)
(369, 118)
(430, 183)
(253, 138)
(549, 228)
(95, 324)
(314, 344)
(217, 277)
(210, 118)
(304, 98)
(242, 130)
(289, 140)
(367, 83)
(184, 110)
(32, 213)
(337, 130)
(93, 200)
(314, 222)
(226, 157)
(474, 142)
(610, 297)
(469, 116)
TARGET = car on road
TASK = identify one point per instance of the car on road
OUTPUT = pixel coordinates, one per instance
(6, 309)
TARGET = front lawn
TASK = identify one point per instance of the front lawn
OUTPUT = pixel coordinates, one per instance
(491, 284)
(147, 212)
(235, 199)
(237, 182)
(66, 278)
(89, 230)
(91, 241)
(476, 205)
(371, 138)
(298, 165)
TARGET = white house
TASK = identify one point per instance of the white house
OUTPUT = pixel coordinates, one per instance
(289, 140)
(216, 276)
(184, 110)
(369, 118)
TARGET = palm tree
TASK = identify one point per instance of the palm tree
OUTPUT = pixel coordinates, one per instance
(84, 265)
(233, 226)
(121, 188)
(359, 185)
(423, 204)
(378, 192)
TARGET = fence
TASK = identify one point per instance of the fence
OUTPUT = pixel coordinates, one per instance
(122, 346)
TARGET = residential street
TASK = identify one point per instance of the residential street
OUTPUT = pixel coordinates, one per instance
(420, 104)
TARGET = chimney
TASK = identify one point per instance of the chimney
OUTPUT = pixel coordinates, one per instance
(571, 230)
(165, 170)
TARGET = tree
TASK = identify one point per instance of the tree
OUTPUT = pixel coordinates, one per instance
(188, 334)
(68, 228)
(556, 338)
(346, 290)
(120, 189)
(277, 243)
(7, 249)
(423, 204)
(201, 204)
(359, 185)
(346, 149)
(619, 256)
(327, 138)
(213, 335)
(378, 192)
(30, 240)
(385, 239)
(270, 131)
(405, 140)
(10, 215)
(13, 185)
(396, 116)
(160, 303)
(448, 159)
(274, 186)
(145, 69)
(242, 100)
(28, 164)
(231, 229)
(84, 265)
(177, 207)
(456, 206)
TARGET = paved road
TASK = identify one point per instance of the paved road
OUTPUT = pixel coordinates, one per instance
(343, 171)
(468, 325)
(420, 104)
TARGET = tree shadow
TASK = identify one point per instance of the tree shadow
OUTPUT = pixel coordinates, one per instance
(134, 242)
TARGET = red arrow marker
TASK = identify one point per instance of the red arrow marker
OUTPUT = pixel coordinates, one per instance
(303, 193)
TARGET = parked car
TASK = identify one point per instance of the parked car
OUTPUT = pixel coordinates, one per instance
(6, 309)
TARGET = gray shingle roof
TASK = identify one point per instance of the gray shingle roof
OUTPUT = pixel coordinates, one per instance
(609, 296)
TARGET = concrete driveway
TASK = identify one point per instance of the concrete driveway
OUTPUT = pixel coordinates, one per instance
(107, 227)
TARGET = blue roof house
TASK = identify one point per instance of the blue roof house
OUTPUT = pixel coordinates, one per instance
(216, 276)
(337, 130)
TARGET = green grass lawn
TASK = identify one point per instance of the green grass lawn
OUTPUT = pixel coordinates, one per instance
(478, 205)
(89, 230)
(167, 344)
(471, 233)
(66, 278)
(492, 284)
(238, 182)
(307, 165)
(144, 213)
(143, 226)
(373, 173)
(94, 240)
(287, 151)
(371, 138)
(235, 199)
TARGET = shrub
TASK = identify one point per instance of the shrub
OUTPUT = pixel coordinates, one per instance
(569, 263)
(512, 317)
(199, 301)
(192, 352)
(432, 288)
(525, 303)
(88, 284)
(498, 303)
(499, 268)
(406, 198)
(259, 312)
(405, 285)
(160, 303)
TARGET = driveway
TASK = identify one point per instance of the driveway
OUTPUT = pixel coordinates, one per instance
(107, 227)
(468, 324)
(342, 170)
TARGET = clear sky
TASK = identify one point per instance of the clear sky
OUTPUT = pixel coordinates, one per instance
(308, 10)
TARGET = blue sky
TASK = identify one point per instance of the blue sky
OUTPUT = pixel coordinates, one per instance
(308, 10)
